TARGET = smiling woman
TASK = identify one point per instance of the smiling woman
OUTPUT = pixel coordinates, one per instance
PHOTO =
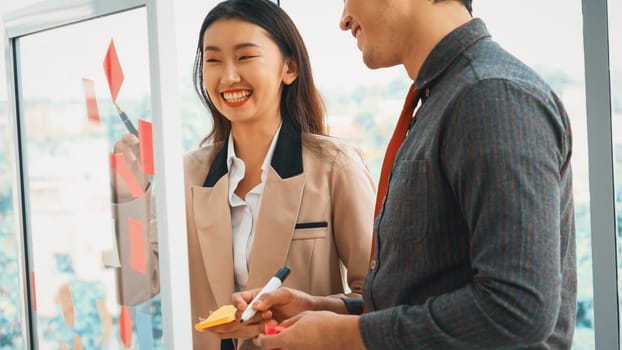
(243, 64)
(267, 188)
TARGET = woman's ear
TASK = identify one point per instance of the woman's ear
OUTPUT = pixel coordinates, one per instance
(290, 71)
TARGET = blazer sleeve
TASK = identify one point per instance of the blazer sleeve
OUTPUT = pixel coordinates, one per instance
(133, 286)
(352, 195)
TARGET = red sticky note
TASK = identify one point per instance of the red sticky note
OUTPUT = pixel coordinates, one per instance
(91, 102)
(113, 70)
(34, 291)
(145, 136)
(137, 245)
(273, 330)
(125, 327)
(118, 163)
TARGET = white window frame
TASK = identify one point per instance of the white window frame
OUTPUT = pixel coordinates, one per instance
(602, 187)
(174, 287)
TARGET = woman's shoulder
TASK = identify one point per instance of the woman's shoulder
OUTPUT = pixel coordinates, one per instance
(332, 148)
(201, 158)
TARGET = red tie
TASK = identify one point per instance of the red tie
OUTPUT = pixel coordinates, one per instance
(401, 129)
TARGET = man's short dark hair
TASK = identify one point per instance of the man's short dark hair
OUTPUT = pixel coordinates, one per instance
(467, 4)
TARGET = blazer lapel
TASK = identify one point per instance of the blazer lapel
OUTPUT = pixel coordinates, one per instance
(275, 226)
(210, 205)
(278, 214)
(213, 218)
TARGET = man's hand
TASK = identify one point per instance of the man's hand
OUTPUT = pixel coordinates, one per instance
(315, 330)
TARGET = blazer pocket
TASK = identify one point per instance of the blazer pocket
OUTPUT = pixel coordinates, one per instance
(307, 225)
(310, 233)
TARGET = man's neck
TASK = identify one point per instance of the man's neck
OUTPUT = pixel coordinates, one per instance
(430, 28)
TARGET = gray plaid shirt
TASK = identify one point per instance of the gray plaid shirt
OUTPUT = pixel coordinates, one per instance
(476, 238)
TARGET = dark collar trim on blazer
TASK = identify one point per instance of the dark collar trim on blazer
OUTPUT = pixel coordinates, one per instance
(287, 157)
(219, 166)
(286, 160)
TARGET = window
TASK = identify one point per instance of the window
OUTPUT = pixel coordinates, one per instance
(95, 278)
(615, 59)
(11, 336)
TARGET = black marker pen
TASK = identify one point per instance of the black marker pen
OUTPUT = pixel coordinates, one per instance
(128, 123)
(272, 285)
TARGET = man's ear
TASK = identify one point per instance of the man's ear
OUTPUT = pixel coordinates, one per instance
(290, 71)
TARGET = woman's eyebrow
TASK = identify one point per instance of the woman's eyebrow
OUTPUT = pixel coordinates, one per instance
(236, 47)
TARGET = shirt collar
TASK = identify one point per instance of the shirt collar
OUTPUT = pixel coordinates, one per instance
(448, 49)
(231, 156)
(286, 160)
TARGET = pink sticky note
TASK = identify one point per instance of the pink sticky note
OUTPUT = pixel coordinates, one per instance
(91, 102)
(118, 163)
(113, 70)
(125, 327)
(145, 136)
(34, 291)
(273, 330)
(137, 245)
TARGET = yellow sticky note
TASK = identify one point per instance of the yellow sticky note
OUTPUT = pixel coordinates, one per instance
(224, 314)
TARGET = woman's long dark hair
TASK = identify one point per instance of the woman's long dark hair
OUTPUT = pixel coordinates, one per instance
(301, 105)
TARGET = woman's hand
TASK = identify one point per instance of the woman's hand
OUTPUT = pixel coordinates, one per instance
(279, 305)
(235, 329)
(129, 148)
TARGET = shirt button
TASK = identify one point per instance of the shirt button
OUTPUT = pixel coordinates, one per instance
(427, 92)
(372, 264)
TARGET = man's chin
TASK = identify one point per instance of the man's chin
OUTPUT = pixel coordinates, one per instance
(372, 63)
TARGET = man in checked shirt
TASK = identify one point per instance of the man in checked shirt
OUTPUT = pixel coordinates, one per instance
(475, 239)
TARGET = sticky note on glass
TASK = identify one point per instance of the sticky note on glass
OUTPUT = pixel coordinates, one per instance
(125, 327)
(224, 314)
(145, 137)
(117, 162)
(34, 291)
(138, 260)
(113, 70)
(91, 101)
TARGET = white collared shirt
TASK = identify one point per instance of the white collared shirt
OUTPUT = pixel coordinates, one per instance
(244, 211)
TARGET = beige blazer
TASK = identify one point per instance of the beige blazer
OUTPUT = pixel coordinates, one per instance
(316, 216)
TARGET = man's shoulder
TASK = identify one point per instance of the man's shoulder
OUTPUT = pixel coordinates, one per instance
(490, 62)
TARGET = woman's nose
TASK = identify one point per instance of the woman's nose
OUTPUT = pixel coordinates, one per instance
(230, 74)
